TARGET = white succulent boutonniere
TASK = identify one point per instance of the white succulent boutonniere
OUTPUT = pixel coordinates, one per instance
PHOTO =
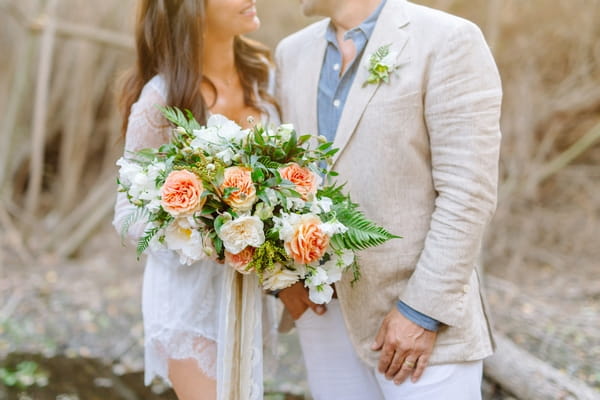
(381, 64)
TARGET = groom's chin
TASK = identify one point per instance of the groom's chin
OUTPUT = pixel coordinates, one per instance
(308, 8)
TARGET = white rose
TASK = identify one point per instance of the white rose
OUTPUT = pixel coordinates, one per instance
(242, 232)
(186, 241)
(280, 278)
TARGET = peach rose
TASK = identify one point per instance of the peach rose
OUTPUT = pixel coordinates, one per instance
(244, 197)
(305, 180)
(309, 242)
(181, 194)
(240, 260)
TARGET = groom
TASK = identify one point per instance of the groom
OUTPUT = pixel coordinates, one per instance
(418, 133)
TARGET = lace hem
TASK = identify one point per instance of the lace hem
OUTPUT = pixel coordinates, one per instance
(179, 345)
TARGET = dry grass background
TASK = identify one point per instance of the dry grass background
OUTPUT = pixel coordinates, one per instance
(59, 134)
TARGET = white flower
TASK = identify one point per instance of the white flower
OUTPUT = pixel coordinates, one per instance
(218, 135)
(127, 171)
(319, 281)
(242, 232)
(346, 258)
(320, 294)
(279, 278)
(285, 225)
(295, 203)
(226, 156)
(272, 196)
(228, 130)
(285, 131)
(331, 228)
(181, 237)
(317, 277)
(333, 270)
(380, 65)
(263, 211)
(321, 205)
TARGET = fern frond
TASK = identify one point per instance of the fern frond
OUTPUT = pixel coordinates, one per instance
(144, 241)
(177, 117)
(131, 219)
(362, 233)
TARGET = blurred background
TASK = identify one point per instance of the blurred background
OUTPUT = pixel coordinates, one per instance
(70, 323)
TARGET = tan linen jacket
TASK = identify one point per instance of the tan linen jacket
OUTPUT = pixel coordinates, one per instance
(420, 156)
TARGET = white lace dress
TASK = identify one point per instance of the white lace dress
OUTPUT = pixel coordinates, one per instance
(189, 311)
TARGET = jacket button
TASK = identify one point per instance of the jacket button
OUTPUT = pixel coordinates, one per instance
(466, 288)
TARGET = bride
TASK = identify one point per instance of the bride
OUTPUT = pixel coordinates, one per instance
(203, 323)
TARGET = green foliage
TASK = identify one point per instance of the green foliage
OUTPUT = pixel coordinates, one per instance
(177, 117)
(145, 240)
(26, 374)
(131, 219)
(362, 233)
(266, 256)
(336, 194)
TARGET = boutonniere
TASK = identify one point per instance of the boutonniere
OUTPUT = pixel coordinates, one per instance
(380, 65)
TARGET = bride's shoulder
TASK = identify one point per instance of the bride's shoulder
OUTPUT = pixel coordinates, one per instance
(146, 109)
(156, 86)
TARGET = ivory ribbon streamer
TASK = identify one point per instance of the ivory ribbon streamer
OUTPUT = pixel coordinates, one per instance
(240, 344)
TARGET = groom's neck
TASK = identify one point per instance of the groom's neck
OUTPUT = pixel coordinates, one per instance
(349, 14)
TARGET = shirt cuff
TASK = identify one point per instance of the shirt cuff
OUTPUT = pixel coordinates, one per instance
(418, 318)
(274, 293)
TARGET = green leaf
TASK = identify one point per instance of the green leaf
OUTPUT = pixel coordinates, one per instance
(291, 144)
(258, 175)
(131, 219)
(229, 191)
(220, 221)
(362, 233)
(355, 268)
(144, 241)
(219, 248)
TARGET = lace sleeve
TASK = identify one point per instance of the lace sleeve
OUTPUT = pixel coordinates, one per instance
(146, 128)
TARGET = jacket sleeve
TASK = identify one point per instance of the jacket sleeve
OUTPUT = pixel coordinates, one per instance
(462, 112)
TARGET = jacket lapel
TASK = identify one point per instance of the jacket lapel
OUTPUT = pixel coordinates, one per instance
(390, 29)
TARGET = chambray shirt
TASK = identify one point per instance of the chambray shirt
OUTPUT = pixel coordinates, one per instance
(332, 95)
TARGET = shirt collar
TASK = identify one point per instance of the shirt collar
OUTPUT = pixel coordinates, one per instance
(366, 28)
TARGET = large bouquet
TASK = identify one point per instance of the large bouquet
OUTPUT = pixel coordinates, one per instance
(253, 199)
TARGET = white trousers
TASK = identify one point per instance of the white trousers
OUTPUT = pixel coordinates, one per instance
(336, 373)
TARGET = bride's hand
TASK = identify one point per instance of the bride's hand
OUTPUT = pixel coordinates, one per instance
(296, 301)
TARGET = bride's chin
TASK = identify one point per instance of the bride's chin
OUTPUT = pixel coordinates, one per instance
(253, 26)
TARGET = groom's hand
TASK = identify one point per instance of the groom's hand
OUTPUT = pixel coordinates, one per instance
(405, 347)
(296, 301)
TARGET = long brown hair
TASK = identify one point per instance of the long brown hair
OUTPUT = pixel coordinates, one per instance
(169, 41)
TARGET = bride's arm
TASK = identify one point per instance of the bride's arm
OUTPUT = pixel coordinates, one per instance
(146, 128)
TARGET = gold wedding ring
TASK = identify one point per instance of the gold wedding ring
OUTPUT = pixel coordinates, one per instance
(409, 364)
